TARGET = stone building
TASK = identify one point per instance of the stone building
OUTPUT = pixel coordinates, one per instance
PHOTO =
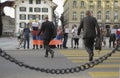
(8, 26)
(107, 12)
(30, 10)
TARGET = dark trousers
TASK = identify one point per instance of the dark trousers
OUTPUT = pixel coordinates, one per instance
(26, 40)
(46, 45)
(113, 44)
(89, 45)
(65, 40)
(72, 42)
(76, 41)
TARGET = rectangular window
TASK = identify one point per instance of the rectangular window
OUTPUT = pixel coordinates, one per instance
(99, 3)
(30, 1)
(38, 1)
(30, 9)
(74, 4)
(44, 9)
(36, 9)
(22, 9)
(82, 4)
(91, 4)
(107, 4)
(22, 24)
(22, 17)
(38, 17)
(43, 17)
(34, 17)
(116, 4)
(74, 16)
(30, 17)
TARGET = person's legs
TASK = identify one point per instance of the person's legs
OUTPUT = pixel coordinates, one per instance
(65, 40)
(24, 43)
(89, 45)
(72, 42)
(28, 43)
(77, 42)
(109, 44)
(48, 49)
(113, 44)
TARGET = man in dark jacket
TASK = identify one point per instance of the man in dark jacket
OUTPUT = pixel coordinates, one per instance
(26, 32)
(47, 29)
(89, 25)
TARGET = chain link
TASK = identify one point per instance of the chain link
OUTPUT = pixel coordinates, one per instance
(59, 71)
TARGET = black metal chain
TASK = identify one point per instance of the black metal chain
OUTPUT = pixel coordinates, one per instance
(59, 71)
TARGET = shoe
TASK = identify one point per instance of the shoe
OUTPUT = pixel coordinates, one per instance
(91, 57)
(52, 54)
(46, 56)
(65, 47)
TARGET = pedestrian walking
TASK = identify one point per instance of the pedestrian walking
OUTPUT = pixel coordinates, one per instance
(90, 26)
(26, 33)
(48, 30)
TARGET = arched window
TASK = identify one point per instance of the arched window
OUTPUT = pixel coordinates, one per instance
(99, 3)
(99, 15)
(81, 15)
(116, 15)
(108, 15)
(82, 4)
(74, 16)
(74, 4)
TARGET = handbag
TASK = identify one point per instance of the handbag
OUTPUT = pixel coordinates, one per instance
(98, 43)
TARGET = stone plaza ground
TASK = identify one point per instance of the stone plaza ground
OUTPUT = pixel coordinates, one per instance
(64, 58)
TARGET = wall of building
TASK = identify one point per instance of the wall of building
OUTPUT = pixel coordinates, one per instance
(26, 14)
(8, 26)
(75, 8)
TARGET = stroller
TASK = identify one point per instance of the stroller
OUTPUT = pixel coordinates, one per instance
(20, 42)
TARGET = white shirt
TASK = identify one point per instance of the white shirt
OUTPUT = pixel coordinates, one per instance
(113, 31)
(35, 24)
(67, 30)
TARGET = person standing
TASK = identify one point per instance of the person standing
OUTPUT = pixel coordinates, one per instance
(112, 37)
(72, 37)
(103, 32)
(47, 29)
(66, 32)
(35, 27)
(26, 33)
(89, 25)
(75, 37)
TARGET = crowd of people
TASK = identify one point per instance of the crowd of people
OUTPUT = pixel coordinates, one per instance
(42, 36)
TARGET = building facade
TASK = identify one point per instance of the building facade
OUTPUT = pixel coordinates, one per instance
(31, 10)
(8, 26)
(107, 12)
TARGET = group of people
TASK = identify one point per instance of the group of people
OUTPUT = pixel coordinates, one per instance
(114, 36)
(47, 35)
